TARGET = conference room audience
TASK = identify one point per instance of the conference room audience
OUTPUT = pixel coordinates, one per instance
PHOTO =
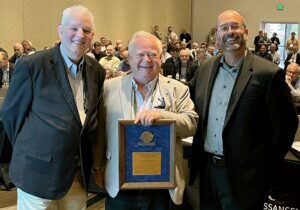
(211, 37)
(98, 54)
(256, 40)
(186, 37)
(110, 62)
(28, 48)
(201, 56)
(264, 40)
(19, 53)
(164, 55)
(156, 33)
(185, 69)
(291, 43)
(293, 81)
(171, 38)
(275, 40)
(263, 52)
(6, 69)
(293, 57)
(124, 64)
(171, 63)
(275, 54)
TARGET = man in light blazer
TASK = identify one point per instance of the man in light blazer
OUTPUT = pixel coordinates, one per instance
(146, 96)
(247, 122)
(50, 114)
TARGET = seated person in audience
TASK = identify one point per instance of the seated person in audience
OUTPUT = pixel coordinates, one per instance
(110, 62)
(183, 46)
(275, 55)
(185, 70)
(18, 49)
(28, 48)
(171, 38)
(154, 97)
(264, 53)
(293, 81)
(97, 51)
(291, 43)
(185, 37)
(155, 32)
(293, 57)
(201, 57)
(203, 46)
(171, 63)
(120, 47)
(6, 69)
(211, 50)
(264, 40)
(103, 44)
(124, 65)
(275, 40)
(164, 55)
(256, 40)
(195, 48)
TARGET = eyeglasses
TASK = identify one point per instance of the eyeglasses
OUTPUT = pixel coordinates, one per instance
(233, 27)
(292, 72)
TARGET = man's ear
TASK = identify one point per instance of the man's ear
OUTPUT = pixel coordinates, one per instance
(59, 31)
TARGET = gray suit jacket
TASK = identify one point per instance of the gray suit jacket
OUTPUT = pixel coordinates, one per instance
(117, 105)
(259, 126)
(42, 122)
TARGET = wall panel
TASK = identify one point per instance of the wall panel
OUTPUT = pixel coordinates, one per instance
(11, 23)
(37, 20)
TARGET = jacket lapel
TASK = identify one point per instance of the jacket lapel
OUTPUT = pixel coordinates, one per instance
(239, 87)
(125, 92)
(59, 70)
(212, 78)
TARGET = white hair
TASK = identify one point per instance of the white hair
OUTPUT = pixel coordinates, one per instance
(76, 9)
(143, 34)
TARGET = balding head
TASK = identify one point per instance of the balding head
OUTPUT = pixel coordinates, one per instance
(293, 71)
(231, 32)
(230, 16)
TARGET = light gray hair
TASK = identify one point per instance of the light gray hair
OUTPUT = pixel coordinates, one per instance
(143, 34)
(76, 9)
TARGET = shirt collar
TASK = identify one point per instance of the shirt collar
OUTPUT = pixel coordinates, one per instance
(150, 85)
(68, 62)
(236, 67)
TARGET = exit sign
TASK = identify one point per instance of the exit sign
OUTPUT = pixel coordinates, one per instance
(280, 7)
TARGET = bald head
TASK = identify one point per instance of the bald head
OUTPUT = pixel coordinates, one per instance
(231, 33)
(230, 16)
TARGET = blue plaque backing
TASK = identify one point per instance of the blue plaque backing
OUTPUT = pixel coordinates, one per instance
(160, 143)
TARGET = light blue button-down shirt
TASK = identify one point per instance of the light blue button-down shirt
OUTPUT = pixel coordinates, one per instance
(220, 97)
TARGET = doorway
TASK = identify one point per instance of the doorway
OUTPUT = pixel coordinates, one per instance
(283, 31)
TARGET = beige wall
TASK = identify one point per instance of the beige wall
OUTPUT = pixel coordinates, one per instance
(36, 20)
(205, 13)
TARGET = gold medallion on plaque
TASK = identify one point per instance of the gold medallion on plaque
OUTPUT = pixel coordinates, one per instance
(147, 137)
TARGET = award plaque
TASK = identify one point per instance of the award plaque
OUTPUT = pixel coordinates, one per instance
(147, 155)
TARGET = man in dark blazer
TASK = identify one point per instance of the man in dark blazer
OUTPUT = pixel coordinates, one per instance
(247, 122)
(293, 57)
(185, 70)
(50, 114)
(6, 69)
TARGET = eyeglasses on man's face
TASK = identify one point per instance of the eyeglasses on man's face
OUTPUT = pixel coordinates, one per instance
(232, 27)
